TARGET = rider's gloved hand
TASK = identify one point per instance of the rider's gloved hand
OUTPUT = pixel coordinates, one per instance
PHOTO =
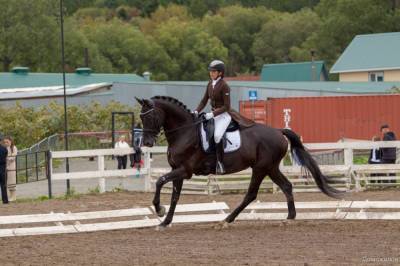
(209, 116)
(195, 113)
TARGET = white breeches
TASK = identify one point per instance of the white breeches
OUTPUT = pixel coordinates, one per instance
(221, 124)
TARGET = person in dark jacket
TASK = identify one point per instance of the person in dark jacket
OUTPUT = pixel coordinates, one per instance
(219, 94)
(3, 175)
(388, 154)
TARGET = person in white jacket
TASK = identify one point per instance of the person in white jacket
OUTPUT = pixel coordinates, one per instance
(122, 159)
(11, 168)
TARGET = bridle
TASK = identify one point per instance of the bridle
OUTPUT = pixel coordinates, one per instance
(171, 130)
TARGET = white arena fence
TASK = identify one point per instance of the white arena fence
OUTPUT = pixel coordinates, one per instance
(347, 176)
(23, 225)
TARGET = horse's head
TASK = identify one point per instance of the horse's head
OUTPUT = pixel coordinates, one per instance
(152, 121)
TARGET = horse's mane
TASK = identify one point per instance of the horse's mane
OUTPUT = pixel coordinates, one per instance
(173, 101)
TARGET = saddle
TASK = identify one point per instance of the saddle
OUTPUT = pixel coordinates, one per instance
(231, 137)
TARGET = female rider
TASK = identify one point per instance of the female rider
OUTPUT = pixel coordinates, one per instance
(219, 94)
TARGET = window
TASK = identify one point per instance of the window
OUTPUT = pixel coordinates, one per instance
(376, 76)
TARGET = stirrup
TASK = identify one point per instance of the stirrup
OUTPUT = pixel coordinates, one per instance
(220, 170)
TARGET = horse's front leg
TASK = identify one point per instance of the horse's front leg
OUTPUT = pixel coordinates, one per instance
(176, 174)
(177, 187)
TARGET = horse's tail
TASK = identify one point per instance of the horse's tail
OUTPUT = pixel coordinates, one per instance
(304, 158)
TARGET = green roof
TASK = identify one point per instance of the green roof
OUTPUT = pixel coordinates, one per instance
(15, 80)
(301, 71)
(371, 52)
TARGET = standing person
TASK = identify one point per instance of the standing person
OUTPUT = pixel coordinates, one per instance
(375, 156)
(219, 93)
(122, 159)
(11, 168)
(388, 154)
(3, 175)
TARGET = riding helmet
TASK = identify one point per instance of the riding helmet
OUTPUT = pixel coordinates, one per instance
(217, 65)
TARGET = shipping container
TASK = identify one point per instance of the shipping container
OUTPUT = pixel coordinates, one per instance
(329, 119)
(255, 110)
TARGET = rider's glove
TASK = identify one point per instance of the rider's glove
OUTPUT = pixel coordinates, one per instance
(209, 116)
(195, 113)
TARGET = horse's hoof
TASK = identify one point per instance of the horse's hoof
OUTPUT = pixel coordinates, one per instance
(222, 225)
(161, 212)
(161, 227)
(291, 217)
(286, 222)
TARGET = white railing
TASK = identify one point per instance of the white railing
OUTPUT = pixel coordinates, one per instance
(353, 174)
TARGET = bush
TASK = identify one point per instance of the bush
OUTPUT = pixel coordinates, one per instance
(28, 125)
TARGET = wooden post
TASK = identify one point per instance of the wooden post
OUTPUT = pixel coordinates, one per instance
(147, 177)
(348, 160)
(102, 180)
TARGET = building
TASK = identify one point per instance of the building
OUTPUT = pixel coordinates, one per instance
(289, 72)
(371, 57)
(37, 89)
(21, 84)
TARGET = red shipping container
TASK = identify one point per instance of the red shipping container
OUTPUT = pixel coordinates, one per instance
(255, 110)
(329, 119)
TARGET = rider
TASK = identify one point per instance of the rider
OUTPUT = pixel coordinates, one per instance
(219, 94)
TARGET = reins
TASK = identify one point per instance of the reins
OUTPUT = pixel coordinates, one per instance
(171, 130)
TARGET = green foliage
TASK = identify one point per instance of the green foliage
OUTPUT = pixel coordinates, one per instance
(189, 48)
(175, 39)
(27, 34)
(95, 190)
(28, 125)
(236, 27)
(282, 34)
(360, 159)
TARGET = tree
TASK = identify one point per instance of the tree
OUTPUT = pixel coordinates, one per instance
(162, 15)
(126, 48)
(29, 34)
(190, 49)
(75, 44)
(342, 20)
(236, 27)
(277, 37)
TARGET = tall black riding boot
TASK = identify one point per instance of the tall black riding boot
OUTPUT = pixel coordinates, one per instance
(220, 170)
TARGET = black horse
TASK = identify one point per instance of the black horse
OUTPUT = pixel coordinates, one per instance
(262, 149)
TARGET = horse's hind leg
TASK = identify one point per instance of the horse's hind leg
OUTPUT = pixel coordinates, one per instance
(284, 184)
(256, 179)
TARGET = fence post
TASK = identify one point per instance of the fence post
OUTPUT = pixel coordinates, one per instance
(102, 180)
(49, 170)
(147, 165)
(348, 160)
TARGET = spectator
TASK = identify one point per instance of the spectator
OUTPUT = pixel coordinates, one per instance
(375, 156)
(11, 168)
(3, 175)
(122, 159)
(388, 154)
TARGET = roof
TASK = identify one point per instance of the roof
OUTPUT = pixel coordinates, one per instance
(15, 80)
(370, 52)
(301, 71)
(50, 91)
(319, 86)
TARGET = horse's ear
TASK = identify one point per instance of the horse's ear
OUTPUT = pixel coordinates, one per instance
(139, 101)
(148, 103)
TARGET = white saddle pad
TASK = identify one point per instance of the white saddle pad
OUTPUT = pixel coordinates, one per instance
(233, 142)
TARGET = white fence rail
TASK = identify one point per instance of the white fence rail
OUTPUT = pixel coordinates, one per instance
(195, 213)
(346, 176)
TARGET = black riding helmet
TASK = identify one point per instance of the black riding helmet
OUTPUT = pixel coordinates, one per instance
(217, 65)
